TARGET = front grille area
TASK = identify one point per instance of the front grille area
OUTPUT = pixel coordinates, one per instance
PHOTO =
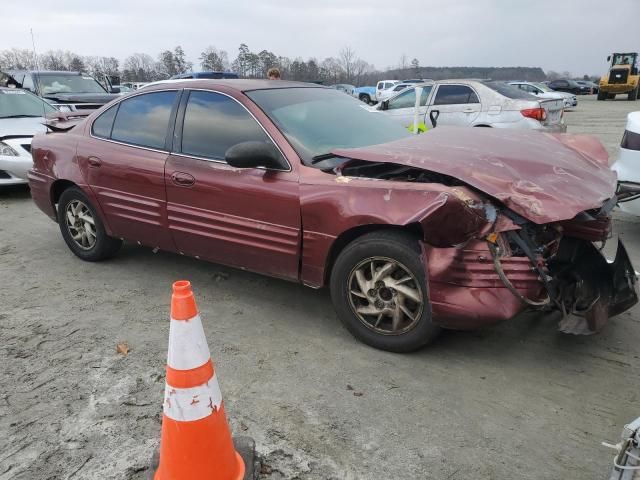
(618, 75)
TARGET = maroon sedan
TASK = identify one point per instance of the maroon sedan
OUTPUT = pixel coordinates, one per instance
(455, 228)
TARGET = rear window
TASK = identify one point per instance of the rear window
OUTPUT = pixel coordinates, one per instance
(509, 91)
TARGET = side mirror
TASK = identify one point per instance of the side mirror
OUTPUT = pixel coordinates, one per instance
(433, 116)
(115, 89)
(255, 154)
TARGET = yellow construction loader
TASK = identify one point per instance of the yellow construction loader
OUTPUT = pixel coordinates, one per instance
(622, 77)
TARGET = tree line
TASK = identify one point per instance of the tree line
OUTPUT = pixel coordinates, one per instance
(346, 67)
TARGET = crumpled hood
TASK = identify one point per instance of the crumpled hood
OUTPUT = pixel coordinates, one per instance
(100, 98)
(541, 176)
(21, 127)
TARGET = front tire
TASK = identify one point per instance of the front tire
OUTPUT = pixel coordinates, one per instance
(378, 289)
(82, 228)
(602, 95)
(633, 95)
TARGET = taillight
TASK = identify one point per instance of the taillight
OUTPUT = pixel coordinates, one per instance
(539, 114)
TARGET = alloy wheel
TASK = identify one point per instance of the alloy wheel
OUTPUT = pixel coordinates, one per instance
(81, 224)
(385, 296)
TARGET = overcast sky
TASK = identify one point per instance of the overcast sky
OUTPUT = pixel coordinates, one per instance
(561, 35)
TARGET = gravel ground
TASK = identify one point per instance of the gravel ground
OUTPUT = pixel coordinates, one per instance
(518, 400)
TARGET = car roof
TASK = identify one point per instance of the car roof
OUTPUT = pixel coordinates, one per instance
(242, 85)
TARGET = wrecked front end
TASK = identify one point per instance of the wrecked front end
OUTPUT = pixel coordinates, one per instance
(486, 263)
(520, 265)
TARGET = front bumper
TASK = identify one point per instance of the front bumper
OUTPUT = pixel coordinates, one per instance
(13, 169)
(466, 291)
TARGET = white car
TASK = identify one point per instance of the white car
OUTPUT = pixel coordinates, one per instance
(473, 103)
(21, 117)
(628, 166)
(540, 90)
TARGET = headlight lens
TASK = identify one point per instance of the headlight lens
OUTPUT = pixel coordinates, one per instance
(7, 151)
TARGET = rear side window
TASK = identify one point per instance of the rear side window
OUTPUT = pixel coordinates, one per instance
(104, 123)
(215, 122)
(455, 94)
(143, 120)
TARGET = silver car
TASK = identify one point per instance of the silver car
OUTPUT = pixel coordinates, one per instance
(473, 103)
(21, 117)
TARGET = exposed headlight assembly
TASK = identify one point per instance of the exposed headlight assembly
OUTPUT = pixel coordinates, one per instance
(7, 151)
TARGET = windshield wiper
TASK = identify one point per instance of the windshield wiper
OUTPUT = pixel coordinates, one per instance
(21, 116)
(324, 156)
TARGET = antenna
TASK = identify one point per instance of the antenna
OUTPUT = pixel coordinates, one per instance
(36, 82)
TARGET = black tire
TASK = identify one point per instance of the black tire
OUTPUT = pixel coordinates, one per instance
(365, 98)
(611, 96)
(103, 246)
(602, 95)
(402, 249)
(633, 95)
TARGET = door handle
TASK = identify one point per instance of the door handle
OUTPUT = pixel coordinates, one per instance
(468, 110)
(182, 179)
(94, 162)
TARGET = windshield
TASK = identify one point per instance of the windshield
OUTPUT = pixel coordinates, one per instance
(19, 103)
(509, 91)
(50, 84)
(319, 120)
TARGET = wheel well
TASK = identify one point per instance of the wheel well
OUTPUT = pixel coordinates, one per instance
(57, 188)
(348, 236)
(485, 126)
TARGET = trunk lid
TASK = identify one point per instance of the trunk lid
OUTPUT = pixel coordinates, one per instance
(541, 176)
(553, 107)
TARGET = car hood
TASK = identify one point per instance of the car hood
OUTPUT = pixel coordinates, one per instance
(100, 98)
(541, 176)
(21, 127)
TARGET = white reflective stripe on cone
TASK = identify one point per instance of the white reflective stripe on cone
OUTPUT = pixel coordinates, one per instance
(187, 344)
(191, 404)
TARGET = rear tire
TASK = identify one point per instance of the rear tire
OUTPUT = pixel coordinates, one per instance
(611, 96)
(633, 95)
(602, 95)
(378, 289)
(82, 228)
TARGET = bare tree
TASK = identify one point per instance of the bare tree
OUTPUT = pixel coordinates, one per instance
(18, 59)
(404, 62)
(347, 61)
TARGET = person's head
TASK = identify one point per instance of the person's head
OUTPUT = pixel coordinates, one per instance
(273, 74)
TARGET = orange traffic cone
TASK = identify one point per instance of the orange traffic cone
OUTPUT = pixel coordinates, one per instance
(196, 442)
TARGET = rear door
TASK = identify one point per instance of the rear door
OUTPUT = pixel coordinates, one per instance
(456, 104)
(123, 162)
(248, 218)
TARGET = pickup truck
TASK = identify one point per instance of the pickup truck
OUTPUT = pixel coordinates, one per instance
(370, 95)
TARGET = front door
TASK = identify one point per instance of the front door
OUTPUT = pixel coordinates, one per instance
(401, 108)
(457, 105)
(124, 162)
(248, 218)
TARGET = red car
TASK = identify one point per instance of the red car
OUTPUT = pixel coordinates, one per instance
(455, 228)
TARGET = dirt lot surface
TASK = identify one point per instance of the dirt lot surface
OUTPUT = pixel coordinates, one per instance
(519, 400)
